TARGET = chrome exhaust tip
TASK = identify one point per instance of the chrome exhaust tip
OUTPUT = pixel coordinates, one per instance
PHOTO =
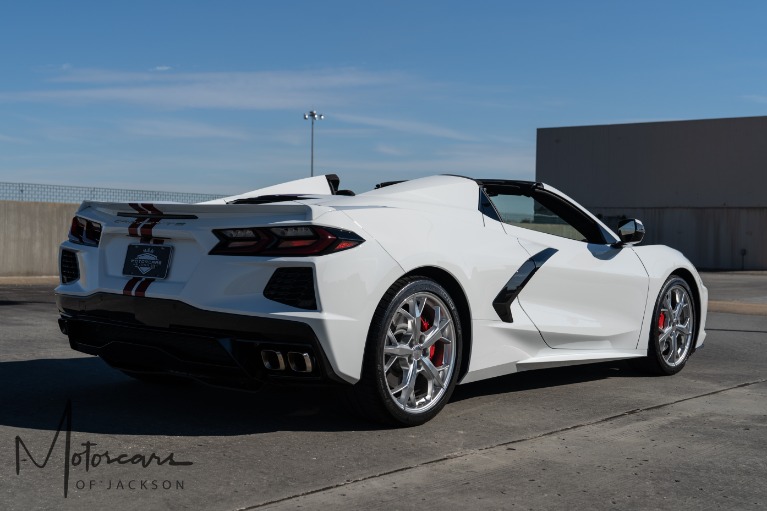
(300, 362)
(273, 360)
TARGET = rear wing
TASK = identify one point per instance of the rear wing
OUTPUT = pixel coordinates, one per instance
(319, 185)
(170, 210)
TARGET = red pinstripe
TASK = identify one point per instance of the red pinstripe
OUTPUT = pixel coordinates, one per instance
(133, 228)
(128, 289)
(143, 286)
(146, 228)
(138, 208)
(151, 208)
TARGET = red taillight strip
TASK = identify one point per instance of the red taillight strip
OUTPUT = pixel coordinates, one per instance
(296, 247)
(268, 242)
(86, 233)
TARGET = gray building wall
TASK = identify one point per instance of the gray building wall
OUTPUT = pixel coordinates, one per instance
(35, 219)
(699, 186)
(31, 233)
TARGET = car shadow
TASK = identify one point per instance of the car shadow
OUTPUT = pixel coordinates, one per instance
(104, 400)
(545, 378)
(35, 393)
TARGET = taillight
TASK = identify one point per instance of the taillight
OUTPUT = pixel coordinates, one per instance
(288, 241)
(85, 232)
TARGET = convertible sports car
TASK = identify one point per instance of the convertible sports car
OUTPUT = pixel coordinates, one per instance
(399, 293)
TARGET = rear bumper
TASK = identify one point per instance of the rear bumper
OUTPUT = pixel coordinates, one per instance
(163, 336)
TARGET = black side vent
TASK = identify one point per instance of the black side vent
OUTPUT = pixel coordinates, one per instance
(502, 302)
(70, 270)
(292, 286)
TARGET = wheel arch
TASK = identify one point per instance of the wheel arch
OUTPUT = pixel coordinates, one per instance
(688, 277)
(452, 286)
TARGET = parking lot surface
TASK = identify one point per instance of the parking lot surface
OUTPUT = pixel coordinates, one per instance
(587, 437)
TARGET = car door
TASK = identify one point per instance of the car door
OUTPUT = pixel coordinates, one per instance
(585, 293)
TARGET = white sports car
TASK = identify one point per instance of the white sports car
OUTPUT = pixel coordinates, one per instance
(399, 293)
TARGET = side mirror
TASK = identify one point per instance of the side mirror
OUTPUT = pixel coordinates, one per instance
(631, 231)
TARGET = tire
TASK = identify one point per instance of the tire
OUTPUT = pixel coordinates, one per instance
(673, 327)
(412, 356)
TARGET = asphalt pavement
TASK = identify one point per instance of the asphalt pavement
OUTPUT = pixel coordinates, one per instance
(588, 437)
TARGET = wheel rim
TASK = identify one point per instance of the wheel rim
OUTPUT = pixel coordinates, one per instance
(675, 325)
(419, 352)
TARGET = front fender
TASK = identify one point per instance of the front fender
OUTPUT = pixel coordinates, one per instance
(661, 262)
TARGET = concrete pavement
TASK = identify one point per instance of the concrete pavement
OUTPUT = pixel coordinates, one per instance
(589, 437)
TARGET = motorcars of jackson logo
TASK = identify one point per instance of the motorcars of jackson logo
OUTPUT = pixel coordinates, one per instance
(146, 261)
(92, 457)
(149, 261)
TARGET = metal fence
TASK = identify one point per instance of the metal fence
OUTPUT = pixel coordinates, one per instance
(31, 192)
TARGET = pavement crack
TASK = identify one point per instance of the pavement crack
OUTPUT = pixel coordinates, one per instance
(462, 454)
(623, 414)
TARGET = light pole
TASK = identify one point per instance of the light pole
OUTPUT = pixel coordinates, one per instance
(314, 116)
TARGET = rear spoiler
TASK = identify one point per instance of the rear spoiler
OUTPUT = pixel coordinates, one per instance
(170, 210)
(318, 185)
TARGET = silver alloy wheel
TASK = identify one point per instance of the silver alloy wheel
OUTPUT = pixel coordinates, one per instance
(675, 326)
(419, 352)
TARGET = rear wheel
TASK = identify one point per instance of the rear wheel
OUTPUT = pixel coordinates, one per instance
(412, 356)
(672, 331)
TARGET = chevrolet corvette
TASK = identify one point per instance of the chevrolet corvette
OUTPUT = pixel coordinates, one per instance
(397, 294)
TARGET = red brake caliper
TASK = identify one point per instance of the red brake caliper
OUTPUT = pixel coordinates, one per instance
(436, 350)
(661, 320)
(424, 327)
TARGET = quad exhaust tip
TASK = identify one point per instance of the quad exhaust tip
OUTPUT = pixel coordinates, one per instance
(273, 360)
(298, 362)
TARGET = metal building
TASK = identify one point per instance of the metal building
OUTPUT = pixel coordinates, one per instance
(699, 186)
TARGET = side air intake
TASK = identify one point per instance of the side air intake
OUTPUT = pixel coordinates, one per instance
(70, 269)
(292, 286)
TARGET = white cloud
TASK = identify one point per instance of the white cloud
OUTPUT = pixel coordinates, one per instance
(390, 150)
(755, 98)
(473, 160)
(406, 126)
(268, 90)
(162, 68)
(12, 140)
(181, 129)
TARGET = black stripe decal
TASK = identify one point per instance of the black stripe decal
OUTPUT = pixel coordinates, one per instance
(502, 302)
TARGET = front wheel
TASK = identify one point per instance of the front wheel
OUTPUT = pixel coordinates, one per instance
(413, 354)
(672, 332)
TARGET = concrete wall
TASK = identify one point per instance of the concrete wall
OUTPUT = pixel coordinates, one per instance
(712, 238)
(698, 186)
(30, 234)
(707, 163)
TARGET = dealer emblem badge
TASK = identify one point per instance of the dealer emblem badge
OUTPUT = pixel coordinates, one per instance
(146, 261)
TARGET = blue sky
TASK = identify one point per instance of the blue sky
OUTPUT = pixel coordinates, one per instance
(210, 96)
